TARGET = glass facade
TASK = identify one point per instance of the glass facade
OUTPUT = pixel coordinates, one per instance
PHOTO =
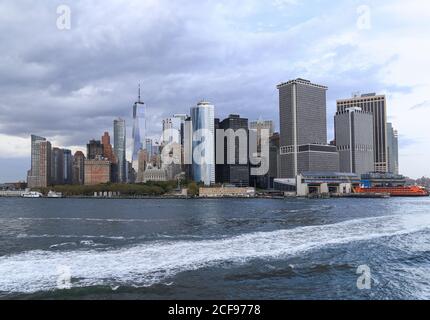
(120, 148)
(138, 134)
(203, 146)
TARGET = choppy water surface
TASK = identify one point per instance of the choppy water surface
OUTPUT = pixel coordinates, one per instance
(214, 249)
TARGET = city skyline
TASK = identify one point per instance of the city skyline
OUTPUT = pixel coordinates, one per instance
(310, 127)
(79, 103)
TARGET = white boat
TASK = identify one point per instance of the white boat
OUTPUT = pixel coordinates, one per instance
(31, 194)
(53, 194)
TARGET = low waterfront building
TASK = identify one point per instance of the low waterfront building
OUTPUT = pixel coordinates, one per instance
(155, 174)
(13, 186)
(97, 171)
(226, 192)
(308, 183)
(376, 179)
(11, 193)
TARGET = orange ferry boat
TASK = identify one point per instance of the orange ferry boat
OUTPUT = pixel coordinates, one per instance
(398, 191)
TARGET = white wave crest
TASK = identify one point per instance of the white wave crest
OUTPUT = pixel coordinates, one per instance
(149, 263)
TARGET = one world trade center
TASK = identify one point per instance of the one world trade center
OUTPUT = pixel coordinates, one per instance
(138, 134)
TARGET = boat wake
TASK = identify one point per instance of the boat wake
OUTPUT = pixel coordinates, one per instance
(150, 263)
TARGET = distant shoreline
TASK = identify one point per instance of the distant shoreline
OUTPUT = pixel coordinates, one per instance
(198, 198)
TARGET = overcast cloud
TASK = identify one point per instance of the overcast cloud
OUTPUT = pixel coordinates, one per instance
(69, 85)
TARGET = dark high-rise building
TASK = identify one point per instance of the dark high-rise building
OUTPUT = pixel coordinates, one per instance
(303, 129)
(68, 166)
(94, 150)
(78, 168)
(119, 136)
(235, 174)
(57, 165)
(131, 173)
(393, 149)
(274, 158)
(188, 147)
(377, 105)
(354, 140)
(39, 175)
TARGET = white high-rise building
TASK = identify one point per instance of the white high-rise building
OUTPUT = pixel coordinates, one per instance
(393, 149)
(203, 145)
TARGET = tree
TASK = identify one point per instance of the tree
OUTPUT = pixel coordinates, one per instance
(193, 189)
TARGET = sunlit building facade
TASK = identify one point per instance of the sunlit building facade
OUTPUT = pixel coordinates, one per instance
(203, 145)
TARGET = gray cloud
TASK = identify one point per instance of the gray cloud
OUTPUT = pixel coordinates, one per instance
(72, 84)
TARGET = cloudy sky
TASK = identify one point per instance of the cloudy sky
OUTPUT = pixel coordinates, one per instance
(69, 85)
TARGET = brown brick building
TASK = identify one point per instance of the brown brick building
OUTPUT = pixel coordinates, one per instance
(107, 148)
(97, 172)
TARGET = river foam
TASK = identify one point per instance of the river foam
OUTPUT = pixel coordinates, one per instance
(150, 263)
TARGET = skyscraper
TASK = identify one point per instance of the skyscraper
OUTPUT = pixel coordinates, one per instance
(148, 147)
(119, 133)
(78, 168)
(167, 126)
(273, 158)
(236, 174)
(143, 162)
(68, 166)
(40, 172)
(203, 144)
(303, 134)
(94, 150)
(171, 131)
(138, 134)
(377, 105)
(57, 166)
(354, 140)
(110, 155)
(107, 148)
(258, 126)
(393, 149)
(182, 118)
